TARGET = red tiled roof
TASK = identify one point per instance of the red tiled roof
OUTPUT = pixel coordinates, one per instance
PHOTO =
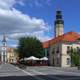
(46, 44)
(70, 36)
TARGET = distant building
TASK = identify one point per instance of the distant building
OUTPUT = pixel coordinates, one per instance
(11, 55)
(4, 50)
(7, 54)
(59, 47)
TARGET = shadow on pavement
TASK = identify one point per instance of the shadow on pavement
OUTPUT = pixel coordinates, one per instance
(39, 77)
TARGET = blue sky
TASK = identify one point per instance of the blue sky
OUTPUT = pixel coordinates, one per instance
(36, 18)
(47, 11)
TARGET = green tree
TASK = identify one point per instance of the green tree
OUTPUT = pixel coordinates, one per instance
(74, 57)
(30, 46)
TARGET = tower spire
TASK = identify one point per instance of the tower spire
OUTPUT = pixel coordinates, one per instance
(4, 38)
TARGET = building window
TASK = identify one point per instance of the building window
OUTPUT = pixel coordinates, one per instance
(68, 61)
(72, 49)
(53, 51)
(57, 51)
(78, 49)
(68, 50)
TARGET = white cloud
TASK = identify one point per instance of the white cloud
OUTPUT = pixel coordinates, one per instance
(17, 24)
(15, 36)
(33, 3)
(15, 21)
(21, 2)
(13, 45)
(38, 3)
(39, 34)
(7, 4)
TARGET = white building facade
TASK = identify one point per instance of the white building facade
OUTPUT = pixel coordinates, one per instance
(60, 46)
(4, 50)
(60, 53)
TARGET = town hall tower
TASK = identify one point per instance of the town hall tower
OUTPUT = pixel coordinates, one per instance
(59, 24)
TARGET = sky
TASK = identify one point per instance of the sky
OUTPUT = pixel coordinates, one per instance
(36, 18)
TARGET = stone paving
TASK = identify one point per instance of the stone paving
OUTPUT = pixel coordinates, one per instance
(10, 72)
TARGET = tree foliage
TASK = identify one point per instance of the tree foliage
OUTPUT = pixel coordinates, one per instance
(75, 57)
(30, 46)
